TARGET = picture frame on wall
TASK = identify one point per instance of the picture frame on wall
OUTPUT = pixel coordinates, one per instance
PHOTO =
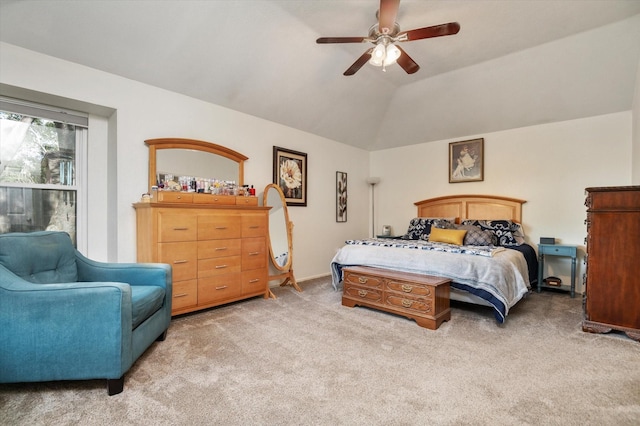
(341, 197)
(466, 161)
(290, 174)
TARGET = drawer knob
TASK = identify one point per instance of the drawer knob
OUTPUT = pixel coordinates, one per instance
(254, 253)
(255, 280)
(220, 248)
(175, 296)
(222, 287)
(407, 288)
(181, 229)
(221, 266)
(176, 262)
(407, 303)
(362, 280)
(362, 293)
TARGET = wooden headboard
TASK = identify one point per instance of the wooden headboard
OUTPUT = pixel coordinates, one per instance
(481, 207)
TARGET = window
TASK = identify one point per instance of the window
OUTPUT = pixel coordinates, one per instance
(41, 168)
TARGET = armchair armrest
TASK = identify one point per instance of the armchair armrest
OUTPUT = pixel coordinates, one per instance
(131, 273)
(63, 331)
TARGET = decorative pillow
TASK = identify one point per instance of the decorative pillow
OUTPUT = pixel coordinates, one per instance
(477, 237)
(507, 232)
(420, 227)
(451, 236)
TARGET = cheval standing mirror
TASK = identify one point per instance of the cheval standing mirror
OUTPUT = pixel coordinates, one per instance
(280, 236)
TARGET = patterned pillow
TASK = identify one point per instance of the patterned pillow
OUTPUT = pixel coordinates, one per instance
(477, 237)
(507, 232)
(420, 227)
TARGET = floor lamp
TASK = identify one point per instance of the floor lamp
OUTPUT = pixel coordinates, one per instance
(373, 181)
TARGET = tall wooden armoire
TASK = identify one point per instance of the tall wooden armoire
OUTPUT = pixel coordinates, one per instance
(612, 279)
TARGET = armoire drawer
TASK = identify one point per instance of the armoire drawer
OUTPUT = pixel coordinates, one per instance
(214, 289)
(182, 257)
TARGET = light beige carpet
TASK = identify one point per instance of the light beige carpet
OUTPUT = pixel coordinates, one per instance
(303, 359)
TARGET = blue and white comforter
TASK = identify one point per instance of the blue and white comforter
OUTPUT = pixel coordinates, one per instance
(496, 274)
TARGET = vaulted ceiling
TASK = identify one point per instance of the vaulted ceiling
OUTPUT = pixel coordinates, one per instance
(513, 63)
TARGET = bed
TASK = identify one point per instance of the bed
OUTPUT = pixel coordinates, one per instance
(494, 267)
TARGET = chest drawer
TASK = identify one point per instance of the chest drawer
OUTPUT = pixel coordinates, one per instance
(254, 253)
(254, 281)
(363, 293)
(185, 294)
(182, 257)
(218, 266)
(409, 288)
(218, 227)
(214, 289)
(219, 248)
(176, 227)
(362, 280)
(415, 304)
(254, 225)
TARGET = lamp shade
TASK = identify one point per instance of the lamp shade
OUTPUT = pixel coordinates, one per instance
(373, 180)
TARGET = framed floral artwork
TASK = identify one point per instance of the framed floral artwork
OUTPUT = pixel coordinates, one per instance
(290, 174)
(466, 161)
(341, 197)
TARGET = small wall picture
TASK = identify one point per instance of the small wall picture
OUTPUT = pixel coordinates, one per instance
(341, 197)
(466, 161)
(290, 174)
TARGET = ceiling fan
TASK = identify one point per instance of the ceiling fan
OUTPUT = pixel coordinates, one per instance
(385, 34)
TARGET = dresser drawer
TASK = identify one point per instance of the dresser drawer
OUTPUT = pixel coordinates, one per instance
(409, 288)
(247, 201)
(214, 289)
(176, 227)
(219, 248)
(185, 294)
(175, 197)
(363, 280)
(221, 200)
(218, 227)
(254, 225)
(254, 253)
(254, 281)
(182, 257)
(218, 266)
(363, 293)
(419, 305)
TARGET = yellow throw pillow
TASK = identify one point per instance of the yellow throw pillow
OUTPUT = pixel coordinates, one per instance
(451, 236)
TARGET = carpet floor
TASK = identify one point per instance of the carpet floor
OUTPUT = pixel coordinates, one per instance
(304, 359)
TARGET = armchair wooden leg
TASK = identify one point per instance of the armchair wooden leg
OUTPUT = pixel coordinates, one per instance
(162, 336)
(115, 386)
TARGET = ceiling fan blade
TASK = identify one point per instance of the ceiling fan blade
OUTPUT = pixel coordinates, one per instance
(405, 61)
(387, 15)
(359, 63)
(324, 40)
(430, 32)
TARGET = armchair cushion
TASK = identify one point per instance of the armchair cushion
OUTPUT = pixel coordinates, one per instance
(145, 300)
(40, 258)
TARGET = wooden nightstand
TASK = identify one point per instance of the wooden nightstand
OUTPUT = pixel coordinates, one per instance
(557, 250)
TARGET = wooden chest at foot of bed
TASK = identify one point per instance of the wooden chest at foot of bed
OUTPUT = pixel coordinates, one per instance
(423, 298)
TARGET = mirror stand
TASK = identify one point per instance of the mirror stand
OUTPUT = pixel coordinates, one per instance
(280, 237)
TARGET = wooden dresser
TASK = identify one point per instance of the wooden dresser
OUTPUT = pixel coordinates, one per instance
(612, 279)
(422, 298)
(216, 245)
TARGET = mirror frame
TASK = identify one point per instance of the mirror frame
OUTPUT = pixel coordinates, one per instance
(287, 268)
(192, 144)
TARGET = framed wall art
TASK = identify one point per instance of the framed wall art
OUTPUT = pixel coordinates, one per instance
(290, 174)
(466, 161)
(341, 197)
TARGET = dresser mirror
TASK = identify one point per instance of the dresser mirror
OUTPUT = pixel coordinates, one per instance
(190, 157)
(280, 235)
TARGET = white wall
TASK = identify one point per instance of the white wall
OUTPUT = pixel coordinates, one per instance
(144, 112)
(548, 165)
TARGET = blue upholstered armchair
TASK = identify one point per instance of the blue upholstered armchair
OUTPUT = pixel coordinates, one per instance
(66, 317)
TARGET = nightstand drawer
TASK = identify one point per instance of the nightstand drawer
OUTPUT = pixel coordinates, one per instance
(557, 250)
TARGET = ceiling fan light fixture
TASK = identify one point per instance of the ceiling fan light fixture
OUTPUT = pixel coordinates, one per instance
(392, 54)
(378, 55)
